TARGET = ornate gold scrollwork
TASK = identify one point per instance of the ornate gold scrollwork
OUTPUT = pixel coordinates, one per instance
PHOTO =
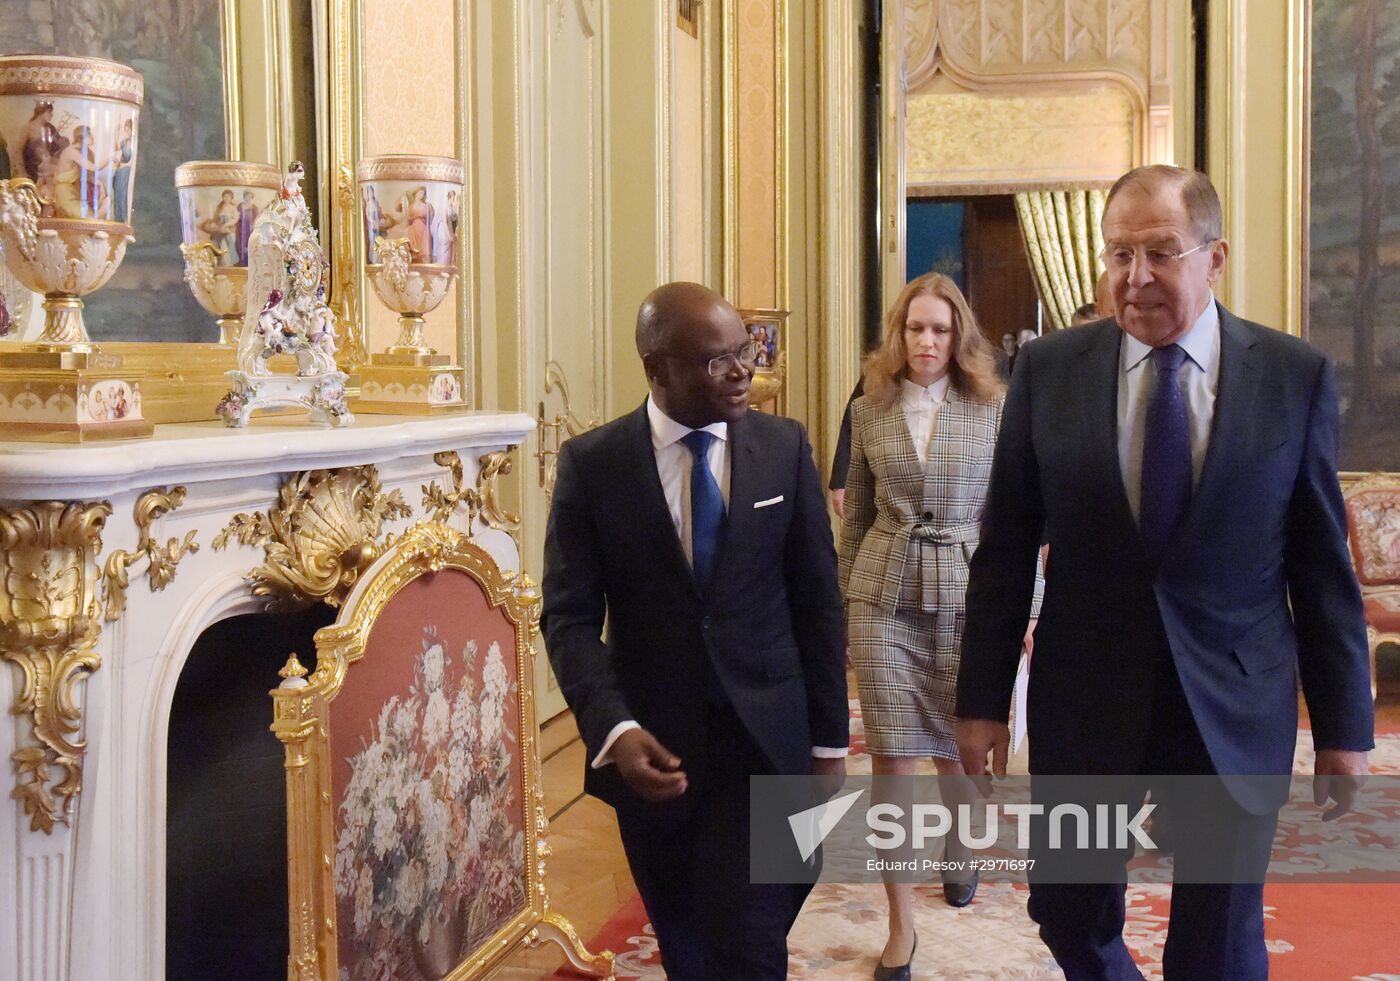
(161, 560)
(552, 926)
(552, 433)
(322, 534)
(48, 628)
(483, 501)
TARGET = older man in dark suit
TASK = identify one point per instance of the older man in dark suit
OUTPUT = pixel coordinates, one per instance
(697, 529)
(1181, 463)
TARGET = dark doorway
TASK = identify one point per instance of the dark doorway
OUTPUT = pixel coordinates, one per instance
(977, 241)
(226, 801)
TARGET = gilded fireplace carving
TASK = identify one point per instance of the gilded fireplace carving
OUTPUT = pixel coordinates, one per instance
(49, 624)
(161, 560)
(482, 501)
(324, 532)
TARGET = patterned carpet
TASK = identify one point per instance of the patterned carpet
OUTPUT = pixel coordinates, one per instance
(1315, 932)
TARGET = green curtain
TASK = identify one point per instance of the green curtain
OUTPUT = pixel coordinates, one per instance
(1063, 240)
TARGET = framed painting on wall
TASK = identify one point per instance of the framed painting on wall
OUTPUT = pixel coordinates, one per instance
(178, 47)
(1351, 254)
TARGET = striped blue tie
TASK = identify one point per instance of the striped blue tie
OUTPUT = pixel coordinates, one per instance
(706, 507)
(1166, 455)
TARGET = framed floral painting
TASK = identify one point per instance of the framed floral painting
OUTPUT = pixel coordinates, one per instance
(412, 771)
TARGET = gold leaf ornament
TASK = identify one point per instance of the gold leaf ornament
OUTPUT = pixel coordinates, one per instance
(49, 624)
(323, 533)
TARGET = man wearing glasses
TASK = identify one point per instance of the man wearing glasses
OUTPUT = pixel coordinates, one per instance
(698, 530)
(1181, 463)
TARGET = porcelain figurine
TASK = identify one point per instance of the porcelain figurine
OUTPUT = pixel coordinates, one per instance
(287, 313)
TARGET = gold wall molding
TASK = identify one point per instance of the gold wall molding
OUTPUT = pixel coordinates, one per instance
(161, 561)
(841, 219)
(345, 103)
(324, 532)
(482, 501)
(49, 626)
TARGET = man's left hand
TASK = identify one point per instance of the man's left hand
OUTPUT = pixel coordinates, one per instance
(1339, 774)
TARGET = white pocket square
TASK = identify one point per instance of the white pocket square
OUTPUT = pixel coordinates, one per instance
(771, 500)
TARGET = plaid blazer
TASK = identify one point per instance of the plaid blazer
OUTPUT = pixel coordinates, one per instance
(910, 529)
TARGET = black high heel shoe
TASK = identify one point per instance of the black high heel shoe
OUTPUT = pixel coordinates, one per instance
(901, 973)
(958, 894)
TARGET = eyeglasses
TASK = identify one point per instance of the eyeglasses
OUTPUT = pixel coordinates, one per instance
(1121, 257)
(746, 356)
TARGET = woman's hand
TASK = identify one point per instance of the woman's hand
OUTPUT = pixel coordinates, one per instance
(1029, 640)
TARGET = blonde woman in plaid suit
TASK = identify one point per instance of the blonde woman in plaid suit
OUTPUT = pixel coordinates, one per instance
(922, 437)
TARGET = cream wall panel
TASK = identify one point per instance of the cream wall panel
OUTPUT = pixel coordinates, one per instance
(756, 163)
(636, 183)
(1253, 143)
(409, 54)
(689, 133)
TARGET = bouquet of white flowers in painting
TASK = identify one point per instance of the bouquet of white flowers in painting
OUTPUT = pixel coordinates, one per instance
(430, 831)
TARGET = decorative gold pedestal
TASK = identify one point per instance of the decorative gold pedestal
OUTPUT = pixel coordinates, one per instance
(69, 396)
(407, 382)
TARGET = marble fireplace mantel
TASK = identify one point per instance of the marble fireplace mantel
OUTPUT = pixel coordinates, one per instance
(109, 572)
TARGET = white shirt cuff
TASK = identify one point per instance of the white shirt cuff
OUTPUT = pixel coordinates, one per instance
(604, 756)
(830, 752)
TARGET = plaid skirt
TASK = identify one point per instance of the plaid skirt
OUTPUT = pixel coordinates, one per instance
(906, 665)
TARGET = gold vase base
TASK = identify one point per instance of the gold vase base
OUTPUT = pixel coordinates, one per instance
(415, 357)
(410, 389)
(765, 387)
(58, 357)
(71, 405)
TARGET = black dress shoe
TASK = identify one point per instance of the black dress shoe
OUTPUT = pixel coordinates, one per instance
(959, 894)
(901, 973)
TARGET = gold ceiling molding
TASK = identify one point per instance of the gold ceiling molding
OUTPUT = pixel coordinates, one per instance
(323, 533)
(161, 560)
(48, 628)
(1000, 41)
(483, 501)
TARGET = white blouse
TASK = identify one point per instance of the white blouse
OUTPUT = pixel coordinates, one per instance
(921, 407)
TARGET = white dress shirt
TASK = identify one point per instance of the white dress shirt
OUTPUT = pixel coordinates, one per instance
(673, 465)
(1198, 376)
(921, 405)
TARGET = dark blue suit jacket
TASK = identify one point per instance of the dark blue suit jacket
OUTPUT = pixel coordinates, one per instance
(1255, 590)
(770, 625)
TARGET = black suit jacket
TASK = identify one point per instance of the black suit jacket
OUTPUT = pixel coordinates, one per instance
(1255, 589)
(770, 624)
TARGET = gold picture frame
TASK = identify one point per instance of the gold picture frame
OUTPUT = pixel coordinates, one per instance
(302, 721)
(766, 327)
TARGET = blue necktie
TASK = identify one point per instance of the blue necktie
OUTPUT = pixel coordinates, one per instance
(1166, 455)
(706, 506)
